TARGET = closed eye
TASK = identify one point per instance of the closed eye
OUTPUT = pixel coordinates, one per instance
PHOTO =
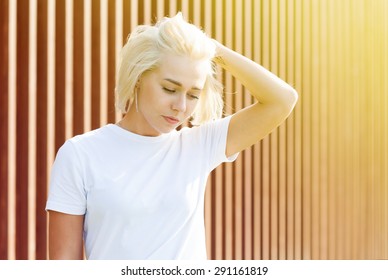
(192, 96)
(169, 90)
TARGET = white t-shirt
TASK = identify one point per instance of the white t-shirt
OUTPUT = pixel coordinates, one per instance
(142, 197)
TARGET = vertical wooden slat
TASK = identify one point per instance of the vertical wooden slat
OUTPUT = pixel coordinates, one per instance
(382, 104)
(374, 130)
(382, 190)
(60, 71)
(332, 136)
(323, 133)
(298, 131)
(78, 67)
(229, 171)
(339, 153)
(111, 61)
(12, 128)
(134, 15)
(283, 130)
(377, 126)
(166, 10)
(257, 167)
(185, 9)
(199, 15)
(339, 114)
(95, 65)
(103, 13)
(87, 92)
(315, 128)
(306, 130)
(354, 132)
(352, 184)
(208, 220)
(4, 29)
(22, 131)
(217, 214)
(238, 176)
(290, 133)
(370, 128)
(380, 149)
(247, 169)
(140, 12)
(364, 126)
(154, 11)
(357, 17)
(345, 131)
(217, 207)
(172, 7)
(126, 19)
(217, 194)
(41, 131)
(147, 10)
(50, 150)
(118, 44)
(385, 89)
(69, 83)
(160, 10)
(178, 7)
(220, 206)
(265, 145)
(274, 136)
(51, 74)
(32, 94)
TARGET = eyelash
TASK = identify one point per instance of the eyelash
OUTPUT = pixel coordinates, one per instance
(173, 91)
(193, 96)
(169, 90)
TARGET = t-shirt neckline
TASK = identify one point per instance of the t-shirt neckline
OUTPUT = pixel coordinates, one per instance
(137, 137)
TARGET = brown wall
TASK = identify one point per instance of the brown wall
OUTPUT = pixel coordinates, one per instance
(316, 188)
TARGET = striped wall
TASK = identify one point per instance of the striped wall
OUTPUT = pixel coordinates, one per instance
(316, 188)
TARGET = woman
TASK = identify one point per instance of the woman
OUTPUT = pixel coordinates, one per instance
(135, 189)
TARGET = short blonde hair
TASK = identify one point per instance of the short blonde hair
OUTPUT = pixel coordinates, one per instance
(144, 50)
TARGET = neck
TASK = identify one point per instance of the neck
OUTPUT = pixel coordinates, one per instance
(135, 122)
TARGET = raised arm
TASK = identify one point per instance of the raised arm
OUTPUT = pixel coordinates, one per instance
(65, 236)
(275, 100)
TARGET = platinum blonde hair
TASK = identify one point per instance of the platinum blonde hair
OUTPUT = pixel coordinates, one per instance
(144, 51)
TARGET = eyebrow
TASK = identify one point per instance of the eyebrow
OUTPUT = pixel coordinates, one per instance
(179, 84)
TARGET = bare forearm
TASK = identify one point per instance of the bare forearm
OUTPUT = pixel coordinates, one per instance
(266, 87)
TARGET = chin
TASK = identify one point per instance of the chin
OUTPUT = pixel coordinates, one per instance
(166, 130)
(163, 129)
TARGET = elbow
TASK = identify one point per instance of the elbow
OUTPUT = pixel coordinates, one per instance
(290, 100)
(294, 97)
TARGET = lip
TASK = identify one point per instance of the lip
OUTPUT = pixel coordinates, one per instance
(171, 120)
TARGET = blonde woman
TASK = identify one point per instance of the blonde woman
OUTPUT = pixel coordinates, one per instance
(135, 189)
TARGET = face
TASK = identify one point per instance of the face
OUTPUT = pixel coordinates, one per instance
(168, 96)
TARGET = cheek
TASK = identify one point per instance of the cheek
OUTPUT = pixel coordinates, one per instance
(153, 97)
(191, 105)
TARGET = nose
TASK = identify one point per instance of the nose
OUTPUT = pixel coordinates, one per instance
(179, 103)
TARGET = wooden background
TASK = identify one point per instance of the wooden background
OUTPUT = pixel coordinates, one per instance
(316, 188)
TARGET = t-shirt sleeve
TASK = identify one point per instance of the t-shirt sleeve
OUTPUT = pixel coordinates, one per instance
(215, 138)
(67, 192)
